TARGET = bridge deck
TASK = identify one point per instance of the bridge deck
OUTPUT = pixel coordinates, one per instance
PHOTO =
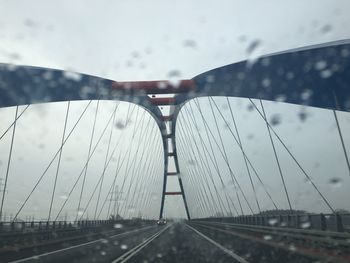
(197, 241)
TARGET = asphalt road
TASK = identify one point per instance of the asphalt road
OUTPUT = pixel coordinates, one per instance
(174, 242)
(180, 243)
(103, 249)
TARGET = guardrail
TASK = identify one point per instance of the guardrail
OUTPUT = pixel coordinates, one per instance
(325, 222)
(32, 226)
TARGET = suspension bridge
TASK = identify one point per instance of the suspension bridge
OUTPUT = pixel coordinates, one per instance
(247, 162)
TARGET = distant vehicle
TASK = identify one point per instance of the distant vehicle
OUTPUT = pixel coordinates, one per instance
(161, 222)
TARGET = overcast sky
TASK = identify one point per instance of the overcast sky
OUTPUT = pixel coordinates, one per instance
(146, 40)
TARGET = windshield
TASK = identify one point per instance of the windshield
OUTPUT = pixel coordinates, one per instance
(174, 132)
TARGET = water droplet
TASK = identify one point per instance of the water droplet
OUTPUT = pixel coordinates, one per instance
(242, 38)
(345, 52)
(253, 46)
(326, 73)
(191, 162)
(64, 197)
(305, 224)
(123, 246)
(159, 255)
(265, 62)
(135, 54)
(292, 248)
(250, 107)
(306, 94)
(321, 64)
(272, 221)
(86, 91)
(190, 43)
(267, 237)
(290, 75)
(80, 212)
(103, 253)
(303, 115)
(210, 78)
(104, 241)
(119, 125)
(174, 77)
(326, 29)
(275, 120)
(118, 225)
(335, 182)
(283, 224)
(266, 82)
(72, 75)
(250, 136)
(253, 52)
(281, 98)
(116, 243)
(29, 23)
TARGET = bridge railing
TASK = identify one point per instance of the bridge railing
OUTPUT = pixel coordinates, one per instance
(34, 226)
(324, 222)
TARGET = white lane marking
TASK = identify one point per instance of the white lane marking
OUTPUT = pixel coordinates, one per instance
(80, 245)
(227, 251)
(136, 249)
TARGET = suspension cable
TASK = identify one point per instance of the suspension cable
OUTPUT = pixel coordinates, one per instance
(244, 157)
(276, 156)
(342, 140)
(8, 163)
(211, 156)
(59, 161)
(84, 167)
(87, 163)
(104, 170)
(227, 163)
(294, 159)
(249, 162)
(49, 165)
(207, 167)
(13, 123)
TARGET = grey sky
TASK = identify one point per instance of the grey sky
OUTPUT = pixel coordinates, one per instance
(143, 40)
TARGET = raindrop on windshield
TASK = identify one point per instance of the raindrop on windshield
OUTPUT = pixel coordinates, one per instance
(253, 52)
(303, 115)
(161, 85)
(275, 119)
(326, 29)
(321, 64)
(64, 196)
(335, 182)
(273, 221)
(174, 77)
(305, 225)
(190, 43)
(253, 46)
(118, 226)
(326, 73)
(119, 125)
(123, 246)
(266, 82)
(267, 237)
(191, 162)
(72, 76)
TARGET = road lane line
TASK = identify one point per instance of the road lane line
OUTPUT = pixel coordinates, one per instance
(125, 257)
(76, 246)
(306, 252)
(227, 251)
